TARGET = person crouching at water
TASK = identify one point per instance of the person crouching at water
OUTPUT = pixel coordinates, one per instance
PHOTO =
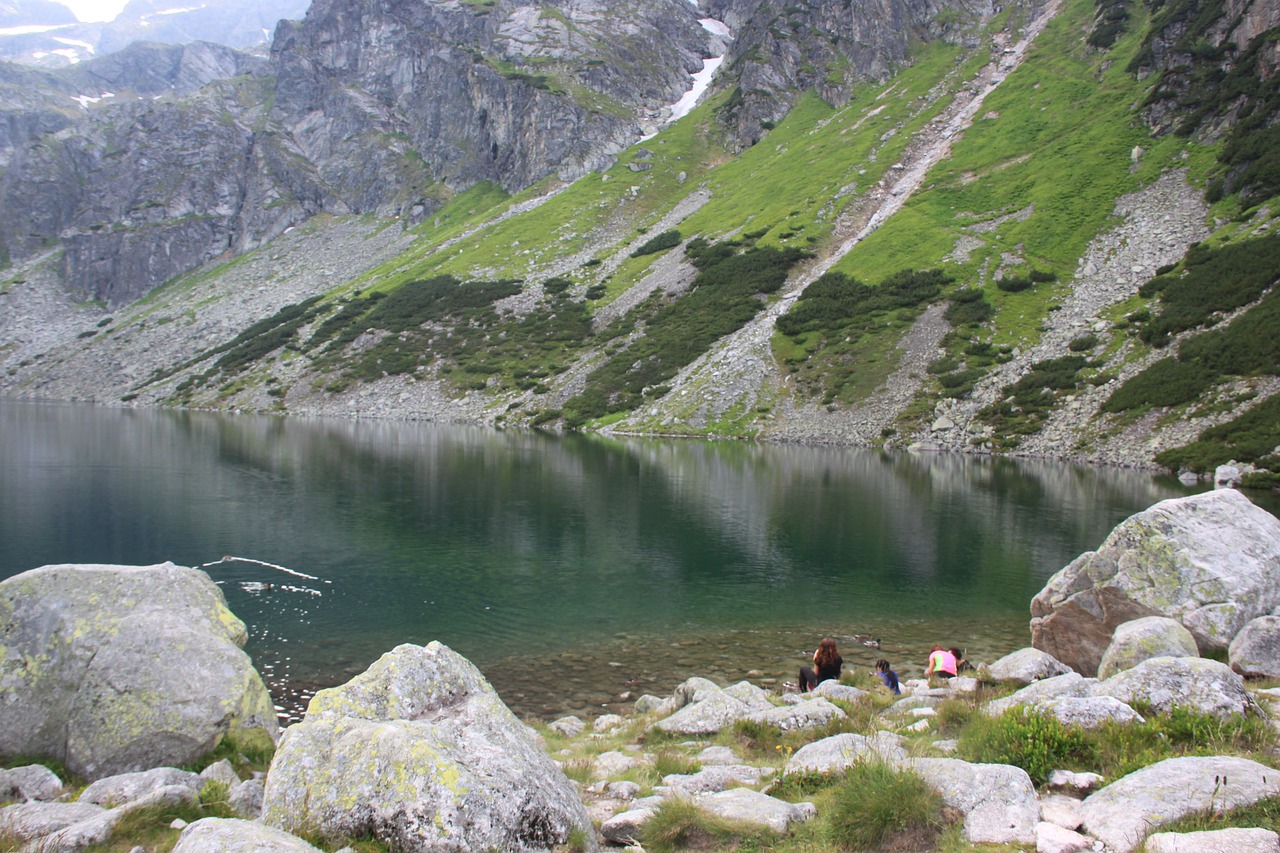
(941, 662)
(826, 666)
(888, 676)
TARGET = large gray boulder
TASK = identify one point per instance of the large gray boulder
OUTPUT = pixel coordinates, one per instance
(125, 788)
(836, 754)
(420, 753)
(706, 716)
(742, 805)
(1090, 712)
(117, 668)
(238, 836)
(998, 801)
(718, 777)
(1026, 666)
(1167, 683)
(1255, 651)
(1141, 639)
(1210, 561)
(1122, 813)
(1040, 692)
(809, 714)
(34, 782)
(1234, 840)
(33, 821)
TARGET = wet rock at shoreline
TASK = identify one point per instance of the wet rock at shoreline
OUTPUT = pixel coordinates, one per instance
(124, 668)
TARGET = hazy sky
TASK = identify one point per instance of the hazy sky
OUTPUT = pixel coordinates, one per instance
(98, 10)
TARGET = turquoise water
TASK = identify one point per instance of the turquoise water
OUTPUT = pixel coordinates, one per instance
(574, 570)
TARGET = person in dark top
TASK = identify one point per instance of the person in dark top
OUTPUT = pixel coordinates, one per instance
(888, 676)
(826, 666)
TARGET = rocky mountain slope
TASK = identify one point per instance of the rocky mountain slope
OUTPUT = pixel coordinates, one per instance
(1037, 230)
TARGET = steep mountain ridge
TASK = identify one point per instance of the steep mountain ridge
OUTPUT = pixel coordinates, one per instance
(985, 251)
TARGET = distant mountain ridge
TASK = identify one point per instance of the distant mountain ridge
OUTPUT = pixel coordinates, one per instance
(47, 34)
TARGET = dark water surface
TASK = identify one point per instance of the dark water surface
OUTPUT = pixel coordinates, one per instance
(573, 569)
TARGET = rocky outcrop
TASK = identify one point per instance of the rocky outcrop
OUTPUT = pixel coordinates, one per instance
(1210, 561)
(782, 50)
(1122, 813)
(420, 753)
(117, 668)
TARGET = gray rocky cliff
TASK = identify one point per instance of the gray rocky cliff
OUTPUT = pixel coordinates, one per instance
(383, 107)
(782, 49)
(506, 93)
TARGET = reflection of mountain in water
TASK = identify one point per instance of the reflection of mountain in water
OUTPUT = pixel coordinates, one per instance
(500, 543)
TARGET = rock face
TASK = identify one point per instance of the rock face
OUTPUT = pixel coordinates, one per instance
(363, 107)
(782, 49)
(1210, 561)
(420, 753)
(117, 668)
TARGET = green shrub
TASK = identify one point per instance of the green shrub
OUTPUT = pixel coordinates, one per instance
(1013, 285)
(1167, 382)
(969, 307)
(761, 739)
(836, 302)
(662, 242)
(1035, 741)
(1248, 438)
(1214, 281)
(724, 297)
(679, 824)
(1084, 343)
(877, 803)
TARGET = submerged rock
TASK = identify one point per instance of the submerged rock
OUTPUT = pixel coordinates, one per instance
(120, 668)
(420, 753)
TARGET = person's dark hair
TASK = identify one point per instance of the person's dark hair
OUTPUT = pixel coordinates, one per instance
(882, 665)
(827, 653)
(958, 654)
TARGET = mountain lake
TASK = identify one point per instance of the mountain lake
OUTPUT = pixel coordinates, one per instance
(577, 571)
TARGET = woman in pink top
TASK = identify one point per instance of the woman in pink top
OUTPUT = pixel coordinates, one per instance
(941, 662)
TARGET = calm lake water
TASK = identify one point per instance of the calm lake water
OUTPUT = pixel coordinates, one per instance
(573, 570)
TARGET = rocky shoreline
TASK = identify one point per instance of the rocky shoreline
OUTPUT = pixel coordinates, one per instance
(420, 753)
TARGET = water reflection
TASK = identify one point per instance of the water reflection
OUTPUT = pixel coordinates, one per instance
(573, 569)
